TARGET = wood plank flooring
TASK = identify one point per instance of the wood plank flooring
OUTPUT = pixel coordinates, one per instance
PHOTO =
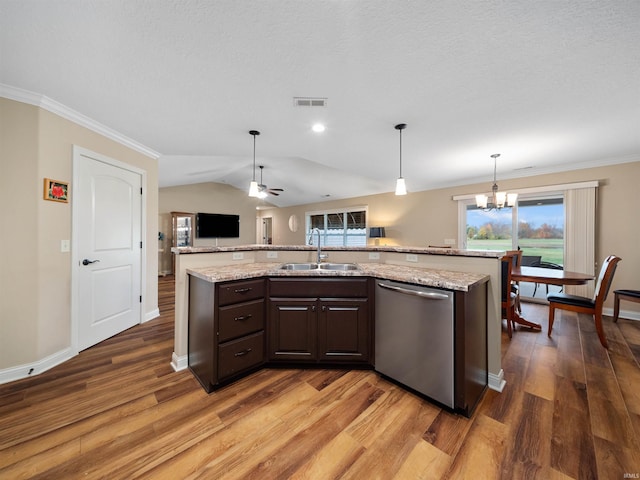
(570, 410)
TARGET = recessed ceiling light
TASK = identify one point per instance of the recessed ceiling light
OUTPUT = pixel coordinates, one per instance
(318, 128)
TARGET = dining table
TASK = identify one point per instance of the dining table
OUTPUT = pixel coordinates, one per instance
(548, 276)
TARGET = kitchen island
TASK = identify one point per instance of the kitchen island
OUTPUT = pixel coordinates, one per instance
(441, 268)
(245, 317)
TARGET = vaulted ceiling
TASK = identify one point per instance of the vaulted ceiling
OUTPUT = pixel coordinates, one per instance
(551, 85)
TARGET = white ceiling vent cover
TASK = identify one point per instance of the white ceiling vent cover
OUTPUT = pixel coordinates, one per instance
(309, 102)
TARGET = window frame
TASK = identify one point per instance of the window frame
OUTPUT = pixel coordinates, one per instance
(340, 211)
(515, 216)
(532, 192)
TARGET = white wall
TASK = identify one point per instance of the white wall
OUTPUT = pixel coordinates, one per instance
(35, 276)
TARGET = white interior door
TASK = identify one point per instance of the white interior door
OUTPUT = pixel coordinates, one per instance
(107, 217)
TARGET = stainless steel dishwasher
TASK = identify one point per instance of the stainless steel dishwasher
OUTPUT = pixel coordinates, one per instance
(414, 342)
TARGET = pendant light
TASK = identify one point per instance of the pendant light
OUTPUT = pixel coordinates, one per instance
(401, 187)
(262, 189)
(254, 191)
(498, 199)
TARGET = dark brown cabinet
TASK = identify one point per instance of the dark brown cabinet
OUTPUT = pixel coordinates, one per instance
(226, 329)
(343, 330)
(236, 327)
(319, 320)
(293, 330)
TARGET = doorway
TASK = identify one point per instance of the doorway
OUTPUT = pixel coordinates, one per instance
(267, 231)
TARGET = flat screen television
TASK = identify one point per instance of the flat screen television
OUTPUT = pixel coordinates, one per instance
(217, 225)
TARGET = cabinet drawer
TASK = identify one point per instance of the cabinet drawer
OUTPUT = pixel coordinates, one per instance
(241, 319)
(234, 292)
(314, 287)
(238, 355)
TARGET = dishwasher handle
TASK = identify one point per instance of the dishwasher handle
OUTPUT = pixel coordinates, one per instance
(417, 293)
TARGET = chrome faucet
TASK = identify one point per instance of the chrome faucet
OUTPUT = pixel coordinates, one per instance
(321, 256)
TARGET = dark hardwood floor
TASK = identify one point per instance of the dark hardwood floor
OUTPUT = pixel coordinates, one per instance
(570, 410)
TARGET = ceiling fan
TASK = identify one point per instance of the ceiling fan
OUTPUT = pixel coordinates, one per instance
(263, 189)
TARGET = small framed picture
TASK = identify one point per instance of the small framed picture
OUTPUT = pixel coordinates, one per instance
(56, 191)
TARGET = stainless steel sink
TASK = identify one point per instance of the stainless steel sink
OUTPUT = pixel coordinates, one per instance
(344, 267)
(338, 266)
(299, 266)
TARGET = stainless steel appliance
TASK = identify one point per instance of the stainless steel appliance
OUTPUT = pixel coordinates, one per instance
(414, 338)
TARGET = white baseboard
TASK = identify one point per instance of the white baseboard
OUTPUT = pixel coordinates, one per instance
(179, 363)
(151, 315)
(628, 314)
(32, 369)
(497, 382)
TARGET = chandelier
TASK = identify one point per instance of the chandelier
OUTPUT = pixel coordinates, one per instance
(498, 200)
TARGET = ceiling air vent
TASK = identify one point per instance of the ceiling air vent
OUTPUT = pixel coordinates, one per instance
(309, 102)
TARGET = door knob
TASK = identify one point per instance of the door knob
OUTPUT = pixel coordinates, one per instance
(86, 261)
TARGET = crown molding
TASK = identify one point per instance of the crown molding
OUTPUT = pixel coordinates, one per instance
(46, 103)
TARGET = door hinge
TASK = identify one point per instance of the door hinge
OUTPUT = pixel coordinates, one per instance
(140, 298)
(140, 244)
(140, 190)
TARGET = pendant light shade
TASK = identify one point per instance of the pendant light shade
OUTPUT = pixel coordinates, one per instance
(254, 191)
(401, 187)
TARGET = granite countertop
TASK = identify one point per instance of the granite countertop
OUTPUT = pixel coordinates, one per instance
(386, 248)
(447, 279)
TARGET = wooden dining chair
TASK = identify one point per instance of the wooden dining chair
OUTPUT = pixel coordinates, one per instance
(516, 256)
(509, 298)
(591, 306)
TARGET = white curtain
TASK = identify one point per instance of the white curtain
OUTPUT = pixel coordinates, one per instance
(579, 240)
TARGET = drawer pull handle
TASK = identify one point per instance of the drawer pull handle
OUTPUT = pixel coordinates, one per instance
(243, 317)
(242, 290)
(243, 352)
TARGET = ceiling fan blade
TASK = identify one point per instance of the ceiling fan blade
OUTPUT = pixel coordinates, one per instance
(273, 193)
(277, 189)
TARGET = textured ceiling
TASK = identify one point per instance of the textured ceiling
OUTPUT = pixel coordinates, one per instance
(551, 85)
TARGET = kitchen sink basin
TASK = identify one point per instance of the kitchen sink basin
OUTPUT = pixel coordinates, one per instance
(322, 266)
(338, 266)
(299, 266)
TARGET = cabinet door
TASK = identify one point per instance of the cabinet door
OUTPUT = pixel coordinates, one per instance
(343, 330)
(293, 329)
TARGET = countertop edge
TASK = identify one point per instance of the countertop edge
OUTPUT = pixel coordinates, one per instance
(446, 279)
(386, 248)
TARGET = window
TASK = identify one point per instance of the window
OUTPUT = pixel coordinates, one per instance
(541, 229)
(536, 220)
(339, 227)
(535, 224)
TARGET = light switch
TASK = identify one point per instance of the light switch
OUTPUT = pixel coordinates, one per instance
(238, 255)
(272, 254)
(65, 245)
